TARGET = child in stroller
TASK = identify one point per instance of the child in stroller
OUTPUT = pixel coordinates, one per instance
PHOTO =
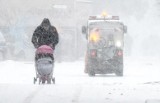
(44, 64)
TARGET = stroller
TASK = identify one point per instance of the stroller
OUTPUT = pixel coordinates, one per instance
(44, 64)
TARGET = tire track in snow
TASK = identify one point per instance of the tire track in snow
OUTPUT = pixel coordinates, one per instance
(31, 96)
(77, 94)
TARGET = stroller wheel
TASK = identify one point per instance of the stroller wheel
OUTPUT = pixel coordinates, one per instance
(43, 81)
(34, 80)
(49, 81)
(53, 80)
(40, 80)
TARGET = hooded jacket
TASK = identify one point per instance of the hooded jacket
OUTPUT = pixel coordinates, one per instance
(45, 34)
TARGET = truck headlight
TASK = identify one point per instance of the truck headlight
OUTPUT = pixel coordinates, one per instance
(118, 43)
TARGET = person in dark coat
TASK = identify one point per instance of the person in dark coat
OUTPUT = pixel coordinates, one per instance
(45, 34)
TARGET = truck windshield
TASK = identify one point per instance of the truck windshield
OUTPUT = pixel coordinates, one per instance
(105, 29)
(108, 27)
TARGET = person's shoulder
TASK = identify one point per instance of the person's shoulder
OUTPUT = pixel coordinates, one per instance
(39, 27)
(53, 27)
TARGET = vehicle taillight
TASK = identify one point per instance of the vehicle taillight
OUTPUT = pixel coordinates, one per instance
(93, 53)
(119, 53)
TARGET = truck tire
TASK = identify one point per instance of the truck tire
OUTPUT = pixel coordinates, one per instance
(91, 73)
(119, 71)
(90, 68)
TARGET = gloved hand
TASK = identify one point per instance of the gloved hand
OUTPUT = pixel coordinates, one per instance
(52, 46)
(36, 46)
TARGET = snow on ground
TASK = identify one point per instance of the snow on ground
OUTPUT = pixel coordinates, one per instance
(141, 82)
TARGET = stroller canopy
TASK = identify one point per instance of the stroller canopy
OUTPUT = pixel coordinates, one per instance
(44, 49)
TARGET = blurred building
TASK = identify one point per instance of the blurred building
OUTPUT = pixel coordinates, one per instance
(21, 17)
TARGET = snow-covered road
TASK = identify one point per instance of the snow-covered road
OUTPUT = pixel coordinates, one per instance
(141, 82)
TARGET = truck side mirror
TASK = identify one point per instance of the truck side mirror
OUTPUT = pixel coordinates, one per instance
(125, 29)
(84, 30)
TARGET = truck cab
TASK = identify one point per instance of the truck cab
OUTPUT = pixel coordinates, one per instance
(105, 43)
